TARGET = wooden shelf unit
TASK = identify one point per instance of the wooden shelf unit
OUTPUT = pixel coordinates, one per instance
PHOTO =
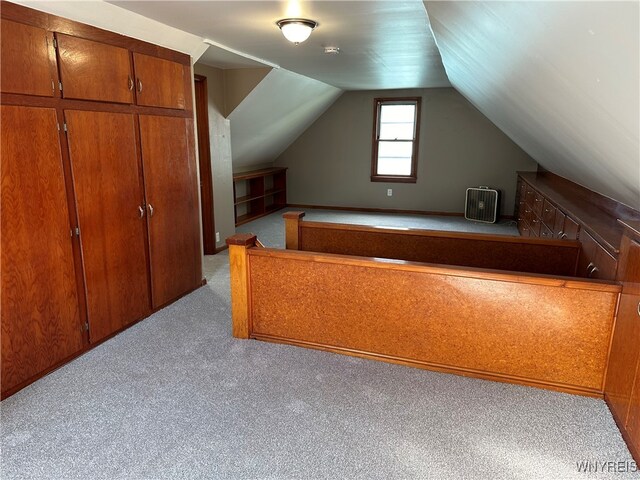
(258, 193)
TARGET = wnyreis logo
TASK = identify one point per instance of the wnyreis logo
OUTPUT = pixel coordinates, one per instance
(607, 466)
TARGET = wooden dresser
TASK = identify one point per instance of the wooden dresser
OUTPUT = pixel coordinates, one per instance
(99, 187)
(550, 206)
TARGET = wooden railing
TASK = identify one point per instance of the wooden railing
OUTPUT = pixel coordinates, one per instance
(501, 252)
(521, 328)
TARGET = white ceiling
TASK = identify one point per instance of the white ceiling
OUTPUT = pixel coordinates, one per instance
(560, 78)
(383, 43)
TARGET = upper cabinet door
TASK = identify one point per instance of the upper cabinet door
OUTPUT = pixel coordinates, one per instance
(159, 82)
(172, 199)
(41, 323)
(28, 63)
(94, 71)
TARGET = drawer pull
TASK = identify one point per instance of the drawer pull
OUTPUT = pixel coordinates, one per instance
(563, 236)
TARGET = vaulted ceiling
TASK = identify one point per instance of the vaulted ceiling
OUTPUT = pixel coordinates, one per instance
(560, 78)
(383, 44)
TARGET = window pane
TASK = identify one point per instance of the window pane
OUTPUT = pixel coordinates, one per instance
(397, 113)
(394, 158)
(399, 131)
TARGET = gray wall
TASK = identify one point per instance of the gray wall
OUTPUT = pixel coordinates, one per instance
(220, 141)
(330, 163)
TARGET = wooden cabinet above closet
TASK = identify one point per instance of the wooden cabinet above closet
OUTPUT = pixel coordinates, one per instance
(28, 61)
(159, 82)
(50, 56)
(94, 71)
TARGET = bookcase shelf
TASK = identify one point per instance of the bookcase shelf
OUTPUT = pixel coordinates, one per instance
(258, 193)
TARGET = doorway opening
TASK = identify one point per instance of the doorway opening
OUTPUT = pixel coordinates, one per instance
(206, 178)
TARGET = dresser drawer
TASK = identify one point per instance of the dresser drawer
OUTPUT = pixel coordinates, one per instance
(548, 214)
(545, 232)
(595, 261)
(538, 203)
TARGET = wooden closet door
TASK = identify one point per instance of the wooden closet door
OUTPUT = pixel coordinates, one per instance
(94, 71)
(159, 82)
(28, 62)
(110, 209)
(172, 198)
(41, 324)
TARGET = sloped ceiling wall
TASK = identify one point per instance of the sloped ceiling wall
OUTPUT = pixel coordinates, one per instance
(560, 78)
(274, 114)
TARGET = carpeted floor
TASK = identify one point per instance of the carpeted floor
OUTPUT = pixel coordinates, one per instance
(176, 396)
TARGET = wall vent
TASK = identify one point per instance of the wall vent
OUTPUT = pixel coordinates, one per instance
(481, 204)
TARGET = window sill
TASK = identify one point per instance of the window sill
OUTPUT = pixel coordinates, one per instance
(393, 179)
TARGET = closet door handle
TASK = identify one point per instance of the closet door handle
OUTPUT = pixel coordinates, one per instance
(130, 83)
(139, 86)
(150, 209)
(141, 209)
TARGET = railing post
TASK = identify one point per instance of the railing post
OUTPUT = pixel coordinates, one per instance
(292, 229)
(238, 267)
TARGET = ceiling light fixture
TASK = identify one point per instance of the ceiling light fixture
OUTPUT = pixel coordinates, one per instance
(296, 30)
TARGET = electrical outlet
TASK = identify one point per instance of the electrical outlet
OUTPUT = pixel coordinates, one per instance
(389, 192)
(217, 236)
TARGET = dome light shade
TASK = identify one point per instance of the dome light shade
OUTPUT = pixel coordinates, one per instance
(296, 30)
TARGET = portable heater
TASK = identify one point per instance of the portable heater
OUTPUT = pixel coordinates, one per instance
(481, 204)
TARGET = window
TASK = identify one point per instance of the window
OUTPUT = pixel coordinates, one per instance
(395, 139)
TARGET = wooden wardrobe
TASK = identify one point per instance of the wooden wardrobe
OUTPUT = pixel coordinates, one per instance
(99, 194)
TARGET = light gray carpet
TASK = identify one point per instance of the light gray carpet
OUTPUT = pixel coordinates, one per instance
(177, 397)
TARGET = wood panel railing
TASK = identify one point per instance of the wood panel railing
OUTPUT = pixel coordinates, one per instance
(520, 328)
(501, 252)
